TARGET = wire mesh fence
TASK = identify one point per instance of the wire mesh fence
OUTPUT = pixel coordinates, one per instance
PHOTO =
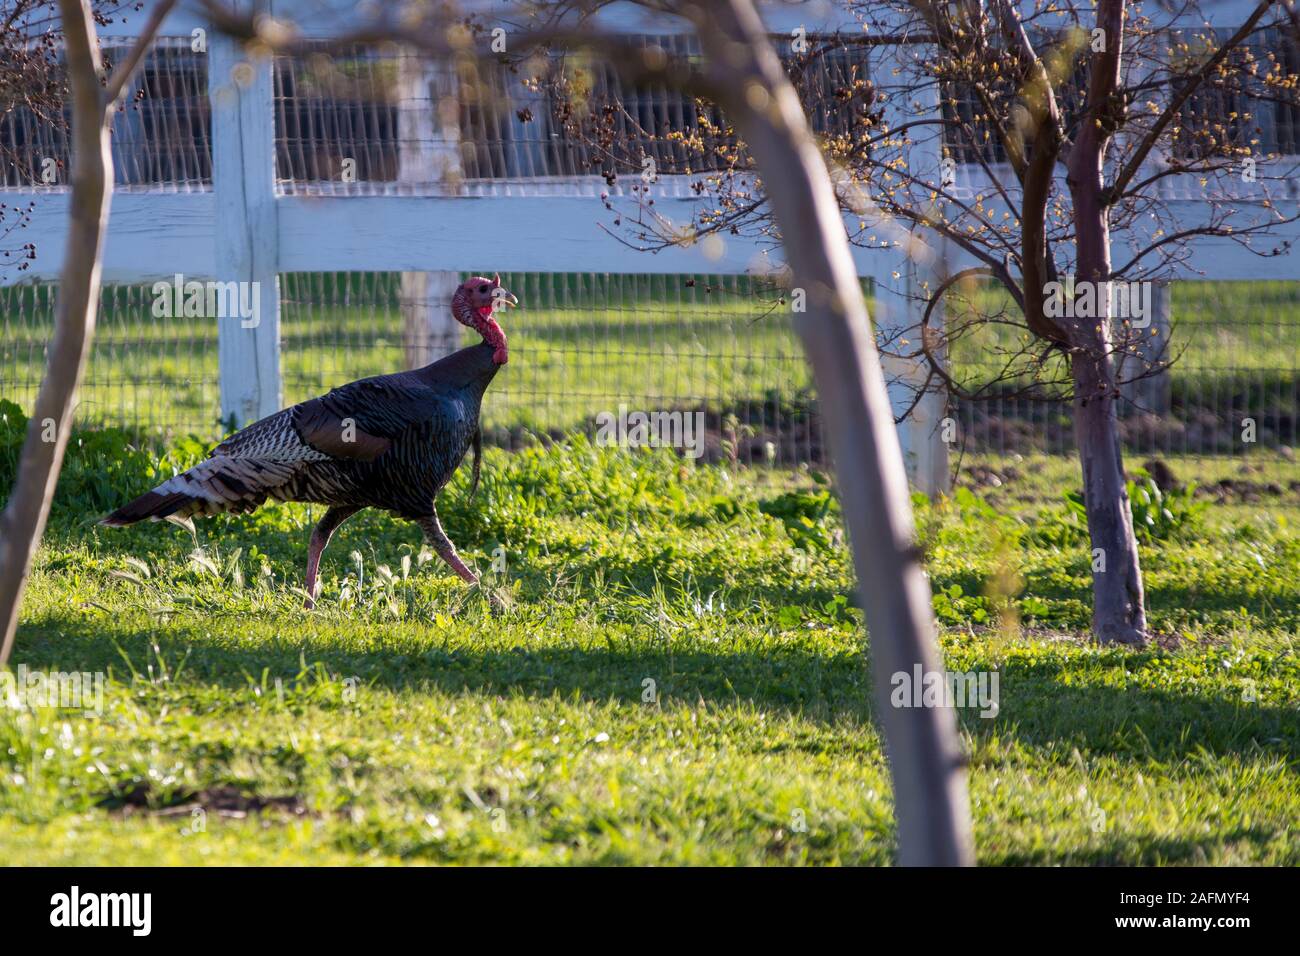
(375, 120)
(160, 137)
(145, 372)
(1233, 384)
(587, 344)
(582, 345)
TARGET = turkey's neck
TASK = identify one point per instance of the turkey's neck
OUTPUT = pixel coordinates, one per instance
(485, 325)
(470, 368)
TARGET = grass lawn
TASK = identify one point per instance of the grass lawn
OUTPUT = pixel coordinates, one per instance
(680, 677)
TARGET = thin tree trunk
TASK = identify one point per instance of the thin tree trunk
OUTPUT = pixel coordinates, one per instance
(1118, 607)
(23, 521)
(925, 756)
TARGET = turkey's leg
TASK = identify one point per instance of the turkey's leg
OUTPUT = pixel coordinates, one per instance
(320, 537)
(438, 540)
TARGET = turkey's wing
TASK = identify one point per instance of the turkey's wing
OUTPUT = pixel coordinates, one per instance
(360, 421)
(271, 439)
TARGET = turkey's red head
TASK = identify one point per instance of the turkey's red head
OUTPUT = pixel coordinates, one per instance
(474, 303)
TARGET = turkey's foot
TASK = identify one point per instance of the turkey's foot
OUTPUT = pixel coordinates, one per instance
(498, 599)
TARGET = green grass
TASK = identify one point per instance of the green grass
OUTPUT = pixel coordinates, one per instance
(404, 721)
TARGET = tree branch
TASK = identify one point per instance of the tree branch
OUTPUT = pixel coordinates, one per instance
(121, 74)
(1184, 93)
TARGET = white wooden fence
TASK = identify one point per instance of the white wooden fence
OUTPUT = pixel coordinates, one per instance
(246, 230)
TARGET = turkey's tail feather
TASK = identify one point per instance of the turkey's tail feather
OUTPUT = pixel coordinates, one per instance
(213, 486)
(151, 504)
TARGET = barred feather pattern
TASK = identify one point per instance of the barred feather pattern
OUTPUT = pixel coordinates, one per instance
(273, 439)
(390, 442)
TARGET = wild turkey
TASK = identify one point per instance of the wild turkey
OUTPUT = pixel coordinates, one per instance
(390, 442)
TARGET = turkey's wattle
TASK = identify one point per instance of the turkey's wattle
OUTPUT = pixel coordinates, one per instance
(390, 442)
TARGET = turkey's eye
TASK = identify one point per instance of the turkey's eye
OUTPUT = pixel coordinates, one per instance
(482, 290)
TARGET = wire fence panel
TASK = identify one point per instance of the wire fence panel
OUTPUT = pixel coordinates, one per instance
(363, 121)
(587, 344)
(584, 345)
(146, 371)
(1233, 383)
(714, 348)
(161, 137)
(376, 120)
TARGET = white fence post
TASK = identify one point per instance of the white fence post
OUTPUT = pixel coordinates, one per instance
(904, 280)
(428, 152)
(898, 310)
(1151, 393)
(428, 330)
(927, 440)
(246, 238)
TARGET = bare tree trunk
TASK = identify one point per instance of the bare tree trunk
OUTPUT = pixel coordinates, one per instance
(23, 521)
(1118, 613)
(925, 757)
(1118, 607)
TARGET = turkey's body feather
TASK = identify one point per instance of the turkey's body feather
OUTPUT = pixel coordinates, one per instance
(390, 442)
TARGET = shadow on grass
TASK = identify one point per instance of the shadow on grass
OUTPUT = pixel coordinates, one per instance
(1038, 709)
(1120, 848)
(826, 686)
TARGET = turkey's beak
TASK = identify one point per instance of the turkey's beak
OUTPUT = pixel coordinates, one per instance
(504, 298)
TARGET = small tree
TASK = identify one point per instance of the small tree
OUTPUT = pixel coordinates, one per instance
(1083, 122)
(94, 99)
